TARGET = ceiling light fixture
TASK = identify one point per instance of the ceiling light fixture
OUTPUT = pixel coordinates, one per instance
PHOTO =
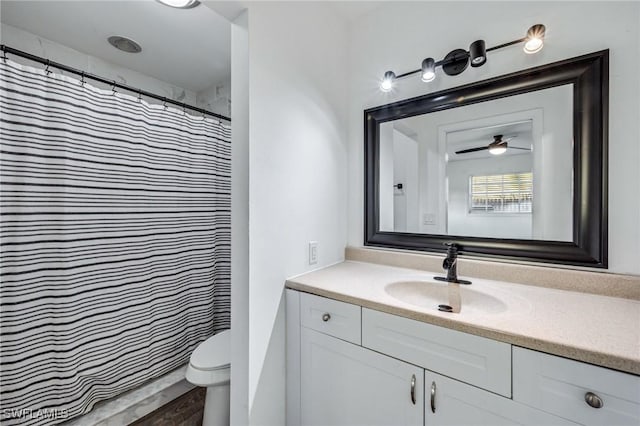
(498, 149)
(458, 60)
(498, 146)
(125, 44)
(180, 4)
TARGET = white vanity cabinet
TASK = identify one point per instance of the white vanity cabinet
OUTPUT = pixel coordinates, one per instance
(348, 365)
(333, 380)
(346, 384)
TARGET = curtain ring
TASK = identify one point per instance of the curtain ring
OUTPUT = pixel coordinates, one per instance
(46, 70)
(184, 109)
(165, 103)
(139, 96)
(113, 88)
(82, 79)
(4, 54)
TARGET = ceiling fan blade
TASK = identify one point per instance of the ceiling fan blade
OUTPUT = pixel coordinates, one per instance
(517, 147)
(466, 151)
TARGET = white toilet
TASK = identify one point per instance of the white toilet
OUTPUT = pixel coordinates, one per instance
(210, 367)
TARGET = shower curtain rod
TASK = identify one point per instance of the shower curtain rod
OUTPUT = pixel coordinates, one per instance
(6, 49)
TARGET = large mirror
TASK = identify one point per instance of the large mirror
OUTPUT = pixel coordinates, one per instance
(513, 167)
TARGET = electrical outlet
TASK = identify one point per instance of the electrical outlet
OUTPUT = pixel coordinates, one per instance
(313, 252)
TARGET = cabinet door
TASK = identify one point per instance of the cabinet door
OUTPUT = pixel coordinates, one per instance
(560, 386)
(449, 402)
(345, 384)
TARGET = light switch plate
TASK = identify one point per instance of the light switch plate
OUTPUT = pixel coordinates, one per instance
(313, 252)
(429, 219)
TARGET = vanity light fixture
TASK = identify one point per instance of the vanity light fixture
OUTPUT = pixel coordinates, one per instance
(428, 70)
(458, 60)
(387, 82)
(180, 4)
(535, 39)
(478, 53)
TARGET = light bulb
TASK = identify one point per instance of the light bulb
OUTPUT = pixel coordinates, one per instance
(535, 39)
(532, 46)
(497, 150)
(181, 4)
(428, 76)
(387, 82)
(428, 70)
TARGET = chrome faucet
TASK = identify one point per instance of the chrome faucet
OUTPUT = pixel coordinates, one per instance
(450, 264)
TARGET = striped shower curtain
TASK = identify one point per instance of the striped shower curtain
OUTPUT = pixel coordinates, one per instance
(115, 242)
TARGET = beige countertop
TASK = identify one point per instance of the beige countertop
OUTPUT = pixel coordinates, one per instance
(597, 329)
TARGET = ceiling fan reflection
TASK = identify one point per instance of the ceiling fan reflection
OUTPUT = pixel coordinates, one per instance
(497, 147)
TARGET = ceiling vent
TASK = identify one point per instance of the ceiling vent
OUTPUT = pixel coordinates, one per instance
(124, 44)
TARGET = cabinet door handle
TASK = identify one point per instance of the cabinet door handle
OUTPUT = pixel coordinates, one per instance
(413, 389)
(593, 400)
(433, 397)
(326, 317)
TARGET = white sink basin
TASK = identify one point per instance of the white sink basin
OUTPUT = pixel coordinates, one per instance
(431, 294)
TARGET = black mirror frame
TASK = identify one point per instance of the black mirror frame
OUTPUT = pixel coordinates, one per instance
(589, 75)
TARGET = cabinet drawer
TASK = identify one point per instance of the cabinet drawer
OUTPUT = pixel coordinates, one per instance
(338, 319)
(452, 403)
(558, 385)
(471, 359)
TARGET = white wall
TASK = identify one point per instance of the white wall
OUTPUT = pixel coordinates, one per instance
(297, 174)
(399, 35)
(36, 45)
(405, 171)
(240, 221)
(216, 98)
(387, 207)
(398, 164)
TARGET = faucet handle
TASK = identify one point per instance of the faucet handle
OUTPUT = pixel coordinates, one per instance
(452, 248)
(448, 263)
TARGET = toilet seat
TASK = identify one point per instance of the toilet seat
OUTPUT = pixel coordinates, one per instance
(214, 353)
(210, 363)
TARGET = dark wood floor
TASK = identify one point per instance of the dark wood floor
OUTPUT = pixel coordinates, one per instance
(185, 410)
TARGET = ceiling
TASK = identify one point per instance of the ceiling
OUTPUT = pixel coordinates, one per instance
(518, 134)
(189, 48)
(348, 10)
(351, 10)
